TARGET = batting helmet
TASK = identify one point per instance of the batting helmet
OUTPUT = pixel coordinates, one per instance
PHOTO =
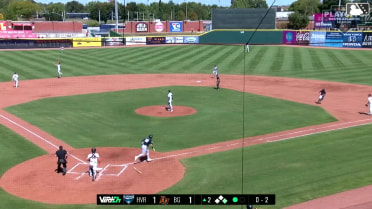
(93, 150)
(150, 136)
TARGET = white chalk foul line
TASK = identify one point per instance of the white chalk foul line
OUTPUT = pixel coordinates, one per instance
(38, 136)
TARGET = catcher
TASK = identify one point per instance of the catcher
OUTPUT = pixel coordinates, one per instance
(145, 144)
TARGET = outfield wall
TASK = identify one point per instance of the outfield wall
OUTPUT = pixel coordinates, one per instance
(262, 37)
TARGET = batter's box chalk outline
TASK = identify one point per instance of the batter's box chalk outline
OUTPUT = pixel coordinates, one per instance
(101, 171)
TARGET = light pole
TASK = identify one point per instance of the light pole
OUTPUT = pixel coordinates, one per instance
(186, 10)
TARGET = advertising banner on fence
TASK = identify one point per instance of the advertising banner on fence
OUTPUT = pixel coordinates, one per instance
(334, 39)
(352, 39)
(174, 39)
(191, 39)
(289, 37)
(135, 40)
(86, 42)
(367, 40)
(303, 37)
(175, 26)
(113, 41)
(155, 40)
(320, 23)
(317, 38)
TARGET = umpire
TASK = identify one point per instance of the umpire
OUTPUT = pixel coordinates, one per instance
(62, 160)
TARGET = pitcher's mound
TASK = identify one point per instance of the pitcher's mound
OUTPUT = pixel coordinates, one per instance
(162, 111)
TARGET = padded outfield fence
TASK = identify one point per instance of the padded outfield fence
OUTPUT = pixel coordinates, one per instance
(259, 37)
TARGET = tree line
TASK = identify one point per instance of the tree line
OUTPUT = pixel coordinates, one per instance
(28, 9)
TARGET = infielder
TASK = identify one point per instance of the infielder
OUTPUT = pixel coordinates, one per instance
(218, 82)
(94, 160)
(59, 71)
(322, 94)
(215, 71)
(170, 100)
(145, 148)
(369, 103)
(15, 79)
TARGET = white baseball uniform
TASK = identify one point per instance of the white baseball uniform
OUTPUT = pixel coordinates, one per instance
(15, 79)
(59, 70)
(170, 100)
(215, 71)
(370, 104)
(93, 163)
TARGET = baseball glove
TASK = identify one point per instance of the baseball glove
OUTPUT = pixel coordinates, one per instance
(366, 105)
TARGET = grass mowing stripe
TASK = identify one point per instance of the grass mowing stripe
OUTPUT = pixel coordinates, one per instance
(335, 58)
(182, 59)
(297, 61)
(254, 61)
(34, 66)
(316, 61)
(277, 63)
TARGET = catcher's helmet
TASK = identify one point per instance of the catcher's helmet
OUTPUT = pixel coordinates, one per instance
(150, 136)
(93, 150)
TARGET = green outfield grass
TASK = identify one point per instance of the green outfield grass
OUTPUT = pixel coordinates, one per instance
(349, 66)
(109, 119)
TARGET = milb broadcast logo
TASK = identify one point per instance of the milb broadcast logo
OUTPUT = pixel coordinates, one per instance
(109, 199)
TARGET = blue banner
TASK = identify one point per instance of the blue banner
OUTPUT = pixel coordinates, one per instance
(353, 39)
(334, 39)
(317, 38)
(367, 40)
(175, 26)
(191, 39)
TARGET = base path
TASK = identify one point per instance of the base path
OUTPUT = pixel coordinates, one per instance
(118, 173)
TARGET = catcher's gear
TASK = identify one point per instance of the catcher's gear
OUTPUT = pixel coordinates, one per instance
(93, 150)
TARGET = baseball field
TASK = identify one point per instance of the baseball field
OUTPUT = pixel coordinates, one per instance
(260, 133)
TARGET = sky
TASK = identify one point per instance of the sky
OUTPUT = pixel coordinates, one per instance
(225, 3)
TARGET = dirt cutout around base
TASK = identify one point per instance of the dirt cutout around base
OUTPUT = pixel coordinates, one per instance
(163, 111)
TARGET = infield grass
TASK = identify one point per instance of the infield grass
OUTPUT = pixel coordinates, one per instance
(350, 66)
(109, 119)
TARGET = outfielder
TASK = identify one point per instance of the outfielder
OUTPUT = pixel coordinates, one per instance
(170, 100)
(15, 79)
(369, 103)
(145, 148)
(94, 160)
(59, 71)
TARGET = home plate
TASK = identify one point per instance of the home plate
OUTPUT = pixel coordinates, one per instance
(198, 81)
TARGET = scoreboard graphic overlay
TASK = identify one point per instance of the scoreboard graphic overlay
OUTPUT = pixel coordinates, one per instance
(185, 199)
